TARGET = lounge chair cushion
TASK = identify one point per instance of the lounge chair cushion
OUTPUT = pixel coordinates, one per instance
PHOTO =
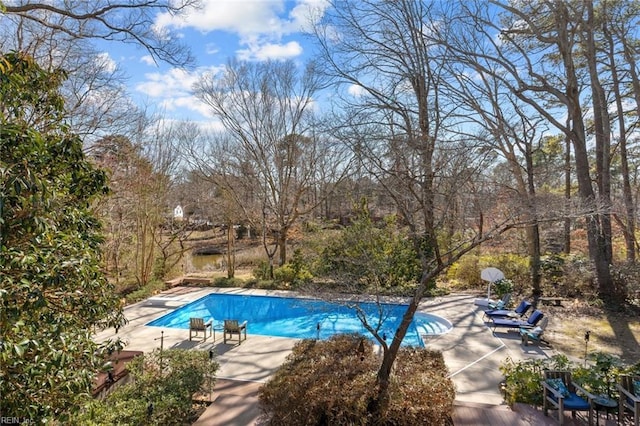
(636, 387)
(533, 320)
(574, 402)
(521, 309)
(498, 305)
(559, 385)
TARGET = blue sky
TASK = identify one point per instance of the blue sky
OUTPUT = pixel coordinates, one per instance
(253, 30)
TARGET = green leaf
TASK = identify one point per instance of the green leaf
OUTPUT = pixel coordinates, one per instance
(19, 350)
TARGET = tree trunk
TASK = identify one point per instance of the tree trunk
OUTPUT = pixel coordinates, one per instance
(567, 195)
(604, 255)
(377, 405)
(231, 250)
(629, 56)
(577, 133)
(533, 231)
(425, 246)
(282, 245)
(628, 224)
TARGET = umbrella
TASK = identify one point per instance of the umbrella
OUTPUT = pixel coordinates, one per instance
(492, 275)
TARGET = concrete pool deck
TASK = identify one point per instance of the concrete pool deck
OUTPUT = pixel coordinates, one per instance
(471, 351)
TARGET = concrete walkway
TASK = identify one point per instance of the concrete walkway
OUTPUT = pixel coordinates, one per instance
(471, 351)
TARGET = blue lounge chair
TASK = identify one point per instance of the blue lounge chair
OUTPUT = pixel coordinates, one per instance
(518, 312)
(533, 320)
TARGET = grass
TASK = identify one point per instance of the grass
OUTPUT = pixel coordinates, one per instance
(611, 332)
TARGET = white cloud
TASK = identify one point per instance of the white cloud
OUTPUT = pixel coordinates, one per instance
(105, 62)
(255, 30)
(241, 17)
(259, 24)
(173, 90)
(147, 59)
(211, 48)
(356, 90)
(306, 13)
(266, 51)
(173, 82)
(213, 126)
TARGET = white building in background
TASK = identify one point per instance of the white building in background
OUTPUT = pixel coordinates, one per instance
(178, 213)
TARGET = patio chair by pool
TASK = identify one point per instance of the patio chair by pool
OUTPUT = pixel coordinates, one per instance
(629, 389)
(500, 304)
(232, 327)
(535, 334)
(560, 393)
(518, 312)
(533, 320)
(197, 324)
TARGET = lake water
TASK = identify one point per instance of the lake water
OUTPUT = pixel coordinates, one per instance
(206, 262)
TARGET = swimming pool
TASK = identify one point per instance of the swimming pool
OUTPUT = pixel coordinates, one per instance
(301, 318)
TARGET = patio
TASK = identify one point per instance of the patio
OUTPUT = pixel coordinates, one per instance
(471, 351)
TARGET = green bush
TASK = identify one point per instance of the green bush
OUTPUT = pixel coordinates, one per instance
(269, 285)
(228, 282)
(284, 273)
(294, 272)
(287, 274)
(161, 392)
(264, 284)
(262, 271)
(601, 376)
(522, 379)
(333, 382)
(152, 287)
(502, 287)
(626, 278)
(371, 257)
(466, 272)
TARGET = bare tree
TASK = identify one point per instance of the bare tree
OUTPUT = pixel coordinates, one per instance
(220, 171)
(95, 94)
(141, 171)
(512, 130)
(398, 119)
(128, 21)
(267, 111)
(534, 50)
(619, 31)
(62, 35)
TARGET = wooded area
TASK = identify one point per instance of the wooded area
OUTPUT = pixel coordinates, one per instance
(473, 123)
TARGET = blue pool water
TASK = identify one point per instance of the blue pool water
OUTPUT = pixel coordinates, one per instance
(299, 318)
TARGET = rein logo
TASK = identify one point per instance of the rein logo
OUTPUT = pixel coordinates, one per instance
(4, 420)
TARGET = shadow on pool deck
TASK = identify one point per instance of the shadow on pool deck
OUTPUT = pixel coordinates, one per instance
(471, 351)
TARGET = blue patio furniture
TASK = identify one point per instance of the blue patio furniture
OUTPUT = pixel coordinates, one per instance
(561, 394)
(500, 304)
(629, 390)
(535, 334)
(515, 323)
(519, 312)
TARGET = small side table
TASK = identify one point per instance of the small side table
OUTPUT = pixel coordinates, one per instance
(219, 329)
(604, 403)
